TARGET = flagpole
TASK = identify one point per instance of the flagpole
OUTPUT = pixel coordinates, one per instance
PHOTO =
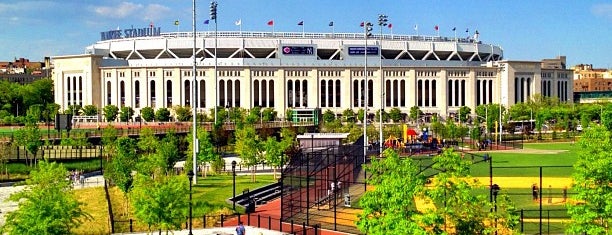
(303, 34)
(240, 20)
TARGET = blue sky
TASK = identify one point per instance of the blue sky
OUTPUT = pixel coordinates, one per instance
(526, 29)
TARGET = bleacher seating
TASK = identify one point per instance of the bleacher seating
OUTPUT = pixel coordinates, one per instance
(259, 196)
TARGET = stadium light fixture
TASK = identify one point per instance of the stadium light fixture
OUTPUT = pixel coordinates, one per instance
(382, 22)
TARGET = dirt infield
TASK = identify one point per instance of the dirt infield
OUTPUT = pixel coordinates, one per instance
(526, 182)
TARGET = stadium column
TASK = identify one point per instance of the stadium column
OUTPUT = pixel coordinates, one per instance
(411, 86)
(441, 91)
(470, 91)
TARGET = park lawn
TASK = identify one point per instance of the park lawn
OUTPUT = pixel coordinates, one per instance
(95, 205)
(563, 161)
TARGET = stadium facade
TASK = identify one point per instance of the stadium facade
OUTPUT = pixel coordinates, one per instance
(300, 70)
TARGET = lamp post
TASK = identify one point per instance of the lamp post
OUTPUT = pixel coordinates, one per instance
(367, 30)
(382, 22)
(495, 189)
(190, 175)
(213, 16)
(234, 183)
(193, 86)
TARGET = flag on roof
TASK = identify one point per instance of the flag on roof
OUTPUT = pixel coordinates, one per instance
(301, 23)
(206, 21)
(436, 28)
(271, 23)
(454, 28)
(361, 25)
(176, 22)
(390, 26)
(238, 22)
(331, 23)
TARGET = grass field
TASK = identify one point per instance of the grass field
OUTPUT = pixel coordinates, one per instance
(516, 170)
(95, 205)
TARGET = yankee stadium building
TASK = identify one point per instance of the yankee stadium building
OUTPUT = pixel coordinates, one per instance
(295, 70)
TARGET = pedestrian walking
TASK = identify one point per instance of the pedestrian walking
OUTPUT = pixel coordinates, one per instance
(240, 229)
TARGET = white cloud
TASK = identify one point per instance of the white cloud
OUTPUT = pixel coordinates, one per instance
(602, 10)
(123, 10)
(155, 12)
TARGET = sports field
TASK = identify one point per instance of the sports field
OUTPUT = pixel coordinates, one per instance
(516, 171)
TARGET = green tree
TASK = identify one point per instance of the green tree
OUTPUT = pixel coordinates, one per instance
(415, 112)
(248, 147)
(160, 202)
(206, 153)
(254, 115)
(162, 115)
(182, 113)
(147, 142)
(395, 114)
(5, 151)
(475, 134)
(464, 113)
(329, 116)
(360, 114)
(74, 109)
(147, 113)
(268, 115)
(349, 115)
(30, 138)
(276, 151)
(385, 116)
(46, 206)
(126, 114)
(606, 119)
(592, 212)
(120, 167)
(110, 112)
(460, 209)
(390, 207)
(90, 110)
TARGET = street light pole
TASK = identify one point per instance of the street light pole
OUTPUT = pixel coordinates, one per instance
(367, 30)
(234, 183)
(194, 106)
(213, 16)
(190, 175)
(382, 21)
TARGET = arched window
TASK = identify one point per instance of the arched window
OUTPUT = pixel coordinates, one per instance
(403, 93)
(355, 94)
(323, 93)
(370, 93)
(419, 93)
(69, 92)
(271, 91)
(256, 94)
(221, 99)
(80, 91)
(137, 94)
(122, 93)
(152, 93)
(187, 93)
(202, 94)
(169, 93)
(74, 90)
(237, 93)
(264, 93)
(290, 93)
(338, 92)
(108, 93)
